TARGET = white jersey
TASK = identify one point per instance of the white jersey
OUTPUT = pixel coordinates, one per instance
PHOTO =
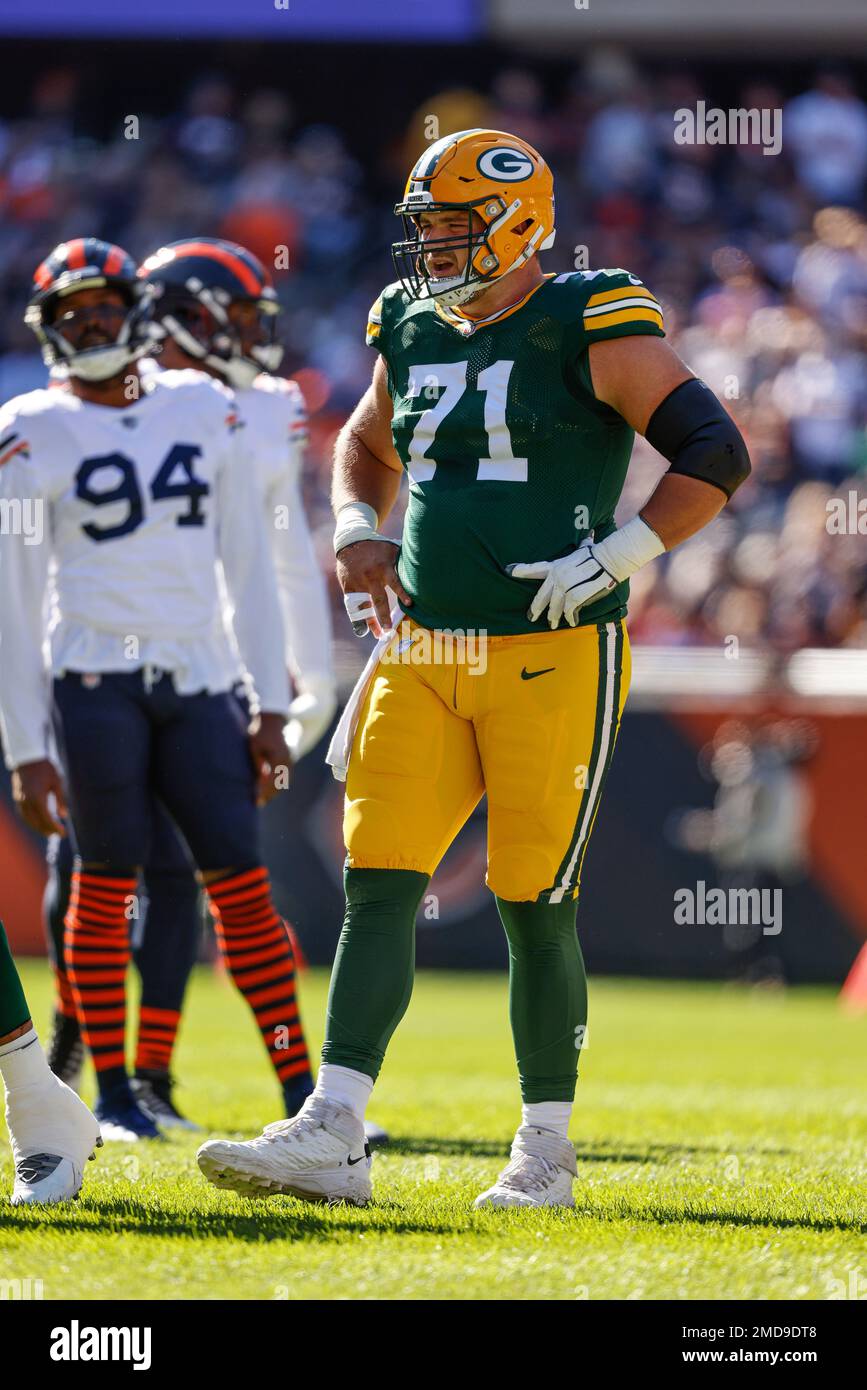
(122, 516)
(275, 432)
(273, 440)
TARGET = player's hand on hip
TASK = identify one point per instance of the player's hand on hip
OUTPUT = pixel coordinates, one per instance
(271, 756)
(366, 570)
(567, 584)
(34, 787)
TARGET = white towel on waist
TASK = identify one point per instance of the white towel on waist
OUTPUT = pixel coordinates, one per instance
(340, 746)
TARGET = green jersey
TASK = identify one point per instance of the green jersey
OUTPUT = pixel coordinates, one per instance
(510, 456)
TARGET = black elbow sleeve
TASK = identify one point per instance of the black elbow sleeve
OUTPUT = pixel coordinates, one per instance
(698, 437)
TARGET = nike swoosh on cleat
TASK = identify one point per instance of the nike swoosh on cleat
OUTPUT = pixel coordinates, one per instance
(531, 675)
(352, 1161)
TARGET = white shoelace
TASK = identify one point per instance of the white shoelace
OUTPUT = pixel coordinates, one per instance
(528, 1173)
(281, 1129)
(305, 1122)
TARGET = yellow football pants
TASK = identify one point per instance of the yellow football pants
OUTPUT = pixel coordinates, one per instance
(529, 720)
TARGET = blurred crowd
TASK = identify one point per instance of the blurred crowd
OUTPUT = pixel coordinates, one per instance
(760, 263)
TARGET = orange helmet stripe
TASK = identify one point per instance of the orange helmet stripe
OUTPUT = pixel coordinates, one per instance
(113, 261)
(250, 281)
(75, 254)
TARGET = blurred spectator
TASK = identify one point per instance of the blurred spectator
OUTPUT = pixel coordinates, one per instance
(826, 131)
(208, 136)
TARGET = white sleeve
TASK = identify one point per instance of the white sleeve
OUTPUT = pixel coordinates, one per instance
(245, 553)
(25, 551)
(301, 584)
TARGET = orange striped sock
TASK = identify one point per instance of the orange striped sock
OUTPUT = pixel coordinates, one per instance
(97, 951)
(157, 1032)
(257, 949)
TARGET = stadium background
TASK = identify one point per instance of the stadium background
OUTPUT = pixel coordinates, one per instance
(743, 756)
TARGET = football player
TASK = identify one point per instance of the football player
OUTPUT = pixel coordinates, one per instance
(52, 1130)
(215, 303)
(217, 309)
(130, 491)
(510, 397)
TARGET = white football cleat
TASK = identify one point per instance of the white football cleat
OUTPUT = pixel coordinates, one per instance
(539, 1173)
(53, 1134)
(321, 1156)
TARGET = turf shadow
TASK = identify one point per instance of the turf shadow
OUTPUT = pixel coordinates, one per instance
(682, 1214)
(274, 1219)
(586, 1153)
(662, 1153)
(454, 1148)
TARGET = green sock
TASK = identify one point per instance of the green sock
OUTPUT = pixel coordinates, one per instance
(13, 1005)
(547, 996)
(371, 982)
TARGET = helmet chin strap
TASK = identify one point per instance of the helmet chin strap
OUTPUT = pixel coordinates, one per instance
(465, 293)
(101, 364)
(238, 370)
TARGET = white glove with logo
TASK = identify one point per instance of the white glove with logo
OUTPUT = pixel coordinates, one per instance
(310, 713)
(596, 567)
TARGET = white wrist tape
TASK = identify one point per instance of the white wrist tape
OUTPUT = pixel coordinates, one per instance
(626, 550)
(356, 521)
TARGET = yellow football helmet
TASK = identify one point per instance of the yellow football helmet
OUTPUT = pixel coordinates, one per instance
(502, 179)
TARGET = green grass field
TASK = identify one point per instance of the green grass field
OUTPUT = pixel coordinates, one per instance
(721, 1154)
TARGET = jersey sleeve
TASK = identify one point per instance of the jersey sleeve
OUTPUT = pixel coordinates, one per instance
(381, 317)
(300, 583)
(245, 553)
(293, 410)
(609, 304)
(374, 325)
(25, 547)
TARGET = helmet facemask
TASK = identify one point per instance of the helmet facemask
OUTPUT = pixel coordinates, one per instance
(482, 266)
(200, 322)
(103, 362)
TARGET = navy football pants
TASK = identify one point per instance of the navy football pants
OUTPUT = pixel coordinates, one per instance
(124, 740)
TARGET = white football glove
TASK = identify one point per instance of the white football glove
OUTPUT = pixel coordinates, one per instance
(593, 569)
(310, 713)
(567, 584)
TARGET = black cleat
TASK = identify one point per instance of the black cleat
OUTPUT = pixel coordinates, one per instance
(66, 1050)
(121, 1118)
(153, 1091)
